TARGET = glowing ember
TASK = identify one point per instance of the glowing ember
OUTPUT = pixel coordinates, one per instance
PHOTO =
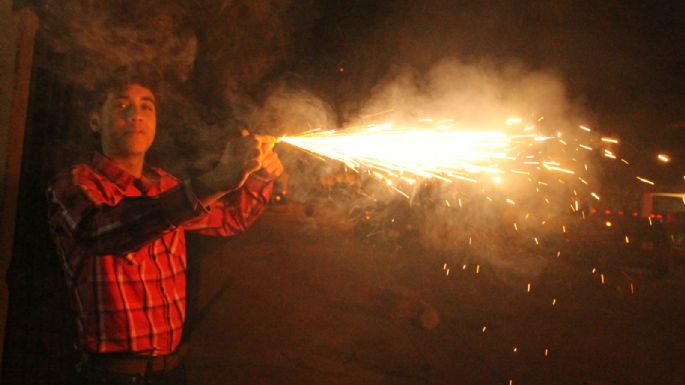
(664, 158)
(645, 180)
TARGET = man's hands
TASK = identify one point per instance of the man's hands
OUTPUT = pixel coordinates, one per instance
(271, 164)
(242, 157)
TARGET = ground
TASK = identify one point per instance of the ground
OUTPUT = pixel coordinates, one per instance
(300, 300)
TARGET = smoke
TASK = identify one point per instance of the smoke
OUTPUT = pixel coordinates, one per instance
(460, 222)
(90, 41)
(236, 65)
(480, 94)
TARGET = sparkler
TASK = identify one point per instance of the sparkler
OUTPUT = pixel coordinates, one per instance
(391, 153)
(440, 150)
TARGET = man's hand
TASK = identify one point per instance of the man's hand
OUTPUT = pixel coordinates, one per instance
(272, 167)
(241, 157)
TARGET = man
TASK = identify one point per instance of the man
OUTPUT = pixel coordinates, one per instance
(119, 228)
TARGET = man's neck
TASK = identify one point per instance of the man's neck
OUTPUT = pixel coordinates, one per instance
(133, 164)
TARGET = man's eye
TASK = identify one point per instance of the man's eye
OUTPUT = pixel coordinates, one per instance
(148, 107)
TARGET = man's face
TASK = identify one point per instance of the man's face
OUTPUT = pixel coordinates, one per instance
(127, 121)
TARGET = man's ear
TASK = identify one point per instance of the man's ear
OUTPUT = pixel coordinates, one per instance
(94, 122)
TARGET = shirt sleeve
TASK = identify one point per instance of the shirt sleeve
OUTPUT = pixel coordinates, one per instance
(235, 212)
(86, 222)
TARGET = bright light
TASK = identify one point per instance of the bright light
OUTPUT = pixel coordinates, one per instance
(664, 158)
(390, 152)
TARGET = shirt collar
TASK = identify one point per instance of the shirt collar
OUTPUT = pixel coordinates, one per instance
(121, 178)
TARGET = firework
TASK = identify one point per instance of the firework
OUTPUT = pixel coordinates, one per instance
(441, 150)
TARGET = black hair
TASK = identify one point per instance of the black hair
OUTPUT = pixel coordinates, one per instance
(146, 75)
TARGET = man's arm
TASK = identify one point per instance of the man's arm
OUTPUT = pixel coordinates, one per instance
(236, 211)
(87, 222)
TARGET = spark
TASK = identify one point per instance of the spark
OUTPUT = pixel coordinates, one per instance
(594, 195)
(585, 128)
(645, 180)
(401, 154)
(609, 140)
(429, 153)
(664, 158)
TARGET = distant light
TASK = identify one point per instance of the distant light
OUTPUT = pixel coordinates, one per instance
(341, 69)
(664, 158)
(608, 224)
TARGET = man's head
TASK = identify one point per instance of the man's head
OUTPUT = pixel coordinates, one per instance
(125, 116)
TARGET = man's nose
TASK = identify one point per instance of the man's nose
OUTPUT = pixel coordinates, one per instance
(133, 113)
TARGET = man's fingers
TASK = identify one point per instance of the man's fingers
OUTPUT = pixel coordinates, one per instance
(272, 166)
(267, 142)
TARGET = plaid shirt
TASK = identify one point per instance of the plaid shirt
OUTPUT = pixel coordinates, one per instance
(122, 246)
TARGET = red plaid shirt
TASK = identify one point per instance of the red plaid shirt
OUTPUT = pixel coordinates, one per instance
(122, 245)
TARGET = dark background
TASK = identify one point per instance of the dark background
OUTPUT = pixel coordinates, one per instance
(623, 62)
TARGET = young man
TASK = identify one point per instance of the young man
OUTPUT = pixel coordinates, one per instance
(119, 228)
